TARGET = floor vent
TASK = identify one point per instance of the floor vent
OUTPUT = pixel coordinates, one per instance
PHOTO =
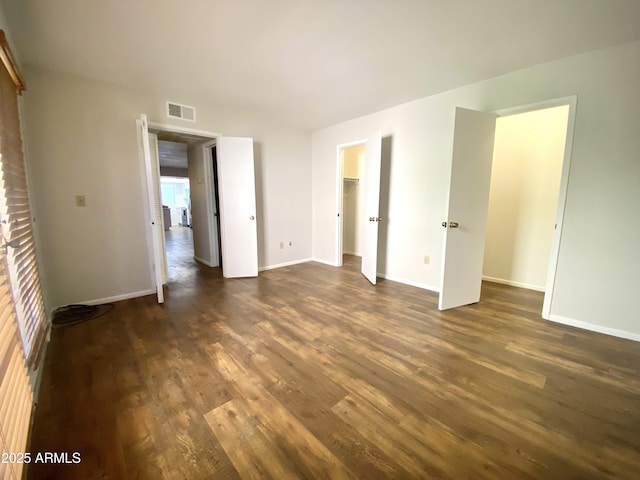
(184, 112)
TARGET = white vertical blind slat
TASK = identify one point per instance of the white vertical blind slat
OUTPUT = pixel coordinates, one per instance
(19, 336)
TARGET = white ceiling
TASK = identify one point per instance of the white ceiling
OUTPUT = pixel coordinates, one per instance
(172, 154)
(311, 62)
(172, 147)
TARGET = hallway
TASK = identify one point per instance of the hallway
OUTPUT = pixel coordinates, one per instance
(184, 271)
(181, 265)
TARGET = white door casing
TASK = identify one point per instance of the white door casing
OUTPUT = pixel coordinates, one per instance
(372, 165)
(212, 213)
(465, 225)
(236, 184)
(155, 171)
(154, 205)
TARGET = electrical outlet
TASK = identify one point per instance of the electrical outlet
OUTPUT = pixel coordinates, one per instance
(281, 245)
(81, 201)
(427, 259)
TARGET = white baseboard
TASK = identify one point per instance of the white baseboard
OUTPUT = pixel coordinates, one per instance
(326, 262)
(511, 283)
(116, 298)
(411, 283)
(35, 376)
(614, 332)
(204, 262)
(285, 264)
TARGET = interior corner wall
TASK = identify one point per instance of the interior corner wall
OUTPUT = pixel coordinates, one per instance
(596, 281)
(523, 201)
(81, 139)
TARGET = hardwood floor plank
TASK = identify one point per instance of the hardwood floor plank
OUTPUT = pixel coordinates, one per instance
(609, 377)
(301, 447)
(243, 438)
(310, 372)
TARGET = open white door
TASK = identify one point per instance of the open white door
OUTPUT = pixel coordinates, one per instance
(152, 170)
(372, 164)
(155, 172)
(236, 185)
(466, 222)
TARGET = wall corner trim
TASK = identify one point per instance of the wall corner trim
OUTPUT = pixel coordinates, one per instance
(285, 264)
(411, 283)
(116, 298)
(204, 262)
(614, 332)
(325, 262)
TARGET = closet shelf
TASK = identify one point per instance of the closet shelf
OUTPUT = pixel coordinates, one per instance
(351, 179)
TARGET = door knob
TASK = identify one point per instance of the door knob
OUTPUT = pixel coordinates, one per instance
(379, 219)
(252, 217)
(453, 225)
(444, 224)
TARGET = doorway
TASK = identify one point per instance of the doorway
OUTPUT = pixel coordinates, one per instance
(177, 155)
(466, 221)
(237, 201)
(365, 170)
(178, 234)
(523, 197)
(352, 167)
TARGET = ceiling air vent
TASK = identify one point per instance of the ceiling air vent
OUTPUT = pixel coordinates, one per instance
(184, 112)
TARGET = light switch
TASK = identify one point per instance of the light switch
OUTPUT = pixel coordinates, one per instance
(81, 201)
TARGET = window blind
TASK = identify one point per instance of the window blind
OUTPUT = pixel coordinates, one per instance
(15, 217)
(16, 396)
(19, 344)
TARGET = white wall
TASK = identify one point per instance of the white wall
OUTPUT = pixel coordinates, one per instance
(525, 182)
(82, 139)
(597, 275)
(353, 199)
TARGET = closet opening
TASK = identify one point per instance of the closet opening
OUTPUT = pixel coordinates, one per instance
(352, 201)
(523, 198)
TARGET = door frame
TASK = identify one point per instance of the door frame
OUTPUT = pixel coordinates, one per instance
(165, 127)
(214, 234)
(152, 218)
(339, 193)
(572, 102)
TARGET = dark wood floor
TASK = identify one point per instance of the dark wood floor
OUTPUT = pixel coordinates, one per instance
(180, 262)
(309, 372)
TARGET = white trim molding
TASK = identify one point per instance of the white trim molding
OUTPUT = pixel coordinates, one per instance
(511, 283)
(117, 298)
(204, 262)
(326, 262)
(411, 283)
(285, 264)
(614, 332)
(167, 127)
